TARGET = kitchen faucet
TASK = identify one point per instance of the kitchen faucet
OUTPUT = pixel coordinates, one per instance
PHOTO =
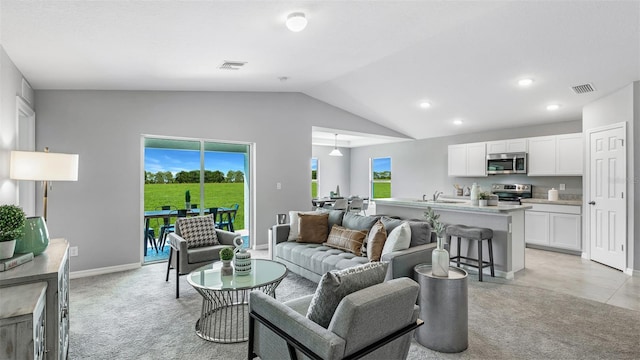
(436, 195)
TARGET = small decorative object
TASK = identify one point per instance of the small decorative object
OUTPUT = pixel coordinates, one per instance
(338, 190)
(483, 198)
(242, 262)
(12, 220)
(440, 256)
(187, 200)
(226, 255)
(431, 217)
(35, 238)
(475, 192)
(552, 195)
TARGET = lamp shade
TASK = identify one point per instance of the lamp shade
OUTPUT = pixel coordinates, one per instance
(43, 166)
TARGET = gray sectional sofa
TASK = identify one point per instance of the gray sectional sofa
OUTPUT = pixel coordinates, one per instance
(313, 260)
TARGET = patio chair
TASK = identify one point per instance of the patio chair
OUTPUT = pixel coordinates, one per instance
(168, 227)
(197, 247)
(231, 216)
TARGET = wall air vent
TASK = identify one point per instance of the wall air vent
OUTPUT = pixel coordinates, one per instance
(232, 65)
(584, 88)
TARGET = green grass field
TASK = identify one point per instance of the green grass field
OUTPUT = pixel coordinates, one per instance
(381, 190)
(216, 195)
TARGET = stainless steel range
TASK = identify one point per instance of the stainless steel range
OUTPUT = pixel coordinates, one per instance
(512, 192)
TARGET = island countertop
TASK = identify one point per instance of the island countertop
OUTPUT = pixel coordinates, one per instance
(448, 204)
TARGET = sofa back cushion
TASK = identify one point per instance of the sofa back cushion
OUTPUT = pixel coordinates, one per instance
(335, 217)
(390, 223)
(358, 222)
(313, 228)
(336, 284)
(346, 239)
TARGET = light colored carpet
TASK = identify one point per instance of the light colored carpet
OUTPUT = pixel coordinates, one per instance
(135, 315)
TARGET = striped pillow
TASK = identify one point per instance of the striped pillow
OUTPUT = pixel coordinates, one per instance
(346, 239)
(198, 231)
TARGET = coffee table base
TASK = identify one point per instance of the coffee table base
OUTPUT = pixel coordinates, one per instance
(225, 313)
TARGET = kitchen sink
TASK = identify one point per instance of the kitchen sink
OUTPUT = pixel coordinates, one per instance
(441, 201)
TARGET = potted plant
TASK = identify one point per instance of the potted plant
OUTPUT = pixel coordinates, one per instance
(439, 255)
(226, 255)
(12, 220)
(187, 200)
(483, 198)
(432, 218)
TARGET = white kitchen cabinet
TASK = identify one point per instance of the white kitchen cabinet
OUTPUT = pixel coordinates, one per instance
(467, 159)
(556, 155)
(554, 226)
(507, 146)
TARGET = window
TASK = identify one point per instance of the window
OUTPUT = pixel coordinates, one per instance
(381, 178)
(314, 177)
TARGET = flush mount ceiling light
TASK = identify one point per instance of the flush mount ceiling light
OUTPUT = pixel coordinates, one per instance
(457, 122)
(335, 151)
(296, 21)
(553, 107)
(525, 82)
(425, 104)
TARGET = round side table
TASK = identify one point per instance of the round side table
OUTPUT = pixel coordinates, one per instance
(444, 309)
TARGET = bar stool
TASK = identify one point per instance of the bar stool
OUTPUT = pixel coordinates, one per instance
(472, 233)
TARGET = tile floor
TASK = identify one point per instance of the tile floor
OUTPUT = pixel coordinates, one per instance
(568, 274)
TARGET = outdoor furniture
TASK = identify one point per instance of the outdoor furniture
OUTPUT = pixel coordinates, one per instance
(365, 322)
(230, 217)
(186, 254)
(225, 299)
(150, 239)
(180, 213)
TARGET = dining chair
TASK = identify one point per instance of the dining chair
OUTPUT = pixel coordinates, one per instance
(341, 204)
(178, 213)
(365, 205)
(214, 211)
(231, 216)
(356, 205)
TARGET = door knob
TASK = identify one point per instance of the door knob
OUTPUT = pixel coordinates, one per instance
(592, 202)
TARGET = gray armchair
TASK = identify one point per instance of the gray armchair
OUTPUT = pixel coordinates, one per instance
(186, 259)
(374, 323)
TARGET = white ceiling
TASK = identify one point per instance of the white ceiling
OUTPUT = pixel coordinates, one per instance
(376, 59)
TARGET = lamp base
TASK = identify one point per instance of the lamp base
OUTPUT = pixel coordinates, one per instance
(35, 238)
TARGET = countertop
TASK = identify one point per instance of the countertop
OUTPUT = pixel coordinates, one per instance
(557, 202)
(444, 205)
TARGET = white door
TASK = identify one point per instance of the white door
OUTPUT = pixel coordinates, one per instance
(607, 201)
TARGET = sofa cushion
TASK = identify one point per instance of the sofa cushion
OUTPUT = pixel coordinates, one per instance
(420, 232)
(346, 239)
(398, 239)
(313, 228)
(337, 284)
(198, 231)
(358, 222)
(335, 217)
(390, 223)
(294, 224)
(374, 242)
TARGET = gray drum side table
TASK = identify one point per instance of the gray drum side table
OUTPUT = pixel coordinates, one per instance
(444, 309)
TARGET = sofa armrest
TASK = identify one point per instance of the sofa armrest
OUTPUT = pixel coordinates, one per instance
(279, 233)
(227, 237)
(401, 263)
(308, 333)
(178, 243)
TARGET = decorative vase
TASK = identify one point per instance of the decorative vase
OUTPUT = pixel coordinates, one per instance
(226, 268)
(35, 238)
(242, 259)
(6, 249)
(475, 192)
(440, 260)
(482, 202)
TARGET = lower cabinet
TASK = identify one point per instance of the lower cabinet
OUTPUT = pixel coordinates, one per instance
(557, 226)
(22, 322)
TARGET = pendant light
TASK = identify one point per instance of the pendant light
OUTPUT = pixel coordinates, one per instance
(335, 151)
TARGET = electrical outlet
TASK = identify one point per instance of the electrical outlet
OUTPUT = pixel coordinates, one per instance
(73, 251)
(278, 186)
(562, 187)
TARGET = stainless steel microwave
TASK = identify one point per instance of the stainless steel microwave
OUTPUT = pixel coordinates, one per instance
(507, 163)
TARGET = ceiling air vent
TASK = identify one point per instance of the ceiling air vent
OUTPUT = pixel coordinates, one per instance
(232, 65)
(584, 88)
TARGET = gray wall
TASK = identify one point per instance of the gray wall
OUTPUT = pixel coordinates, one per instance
(622, 106)
(420, 167)
(102, 212)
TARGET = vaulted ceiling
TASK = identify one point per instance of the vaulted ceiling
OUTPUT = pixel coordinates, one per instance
(377, 59)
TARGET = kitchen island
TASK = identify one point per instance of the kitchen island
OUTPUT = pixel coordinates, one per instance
(506, 221)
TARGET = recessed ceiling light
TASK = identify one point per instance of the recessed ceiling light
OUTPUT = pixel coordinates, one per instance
(553, 107)
(457, 122)
(525, 82)
(296, 21)
(425, 104)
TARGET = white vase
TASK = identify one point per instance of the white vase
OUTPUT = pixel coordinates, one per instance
(440, 260)
(483, 202)
(226, 268)
(6, 249)
(475, 192)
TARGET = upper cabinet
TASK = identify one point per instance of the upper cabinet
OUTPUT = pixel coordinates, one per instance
(507, 146)
(556, 155)
(467, 159)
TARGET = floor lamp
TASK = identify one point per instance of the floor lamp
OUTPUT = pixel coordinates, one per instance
(45, 167)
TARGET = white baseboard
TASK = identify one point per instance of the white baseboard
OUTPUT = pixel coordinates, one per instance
(632, 272)
(104, 270)
(262, 247)
(585, 256)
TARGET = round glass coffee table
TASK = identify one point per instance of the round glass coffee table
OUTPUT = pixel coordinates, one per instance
(225, 305)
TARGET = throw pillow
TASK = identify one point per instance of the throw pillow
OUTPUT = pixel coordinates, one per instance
(336, 284)
(420, 232)
(313, 228)
(294, 228)
(346, 239)
(374, 243)
(398, 239)
(198, 231)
